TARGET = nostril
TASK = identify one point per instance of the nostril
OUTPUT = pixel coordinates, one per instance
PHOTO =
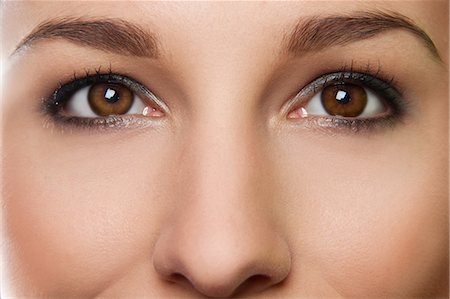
(206, 261)
(257, 280)
(254, 283)
(180, 280)
(177, 277)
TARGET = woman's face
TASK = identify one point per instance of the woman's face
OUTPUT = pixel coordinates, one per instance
(271, 150)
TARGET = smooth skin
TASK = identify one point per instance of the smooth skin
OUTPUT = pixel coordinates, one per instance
(224, 197)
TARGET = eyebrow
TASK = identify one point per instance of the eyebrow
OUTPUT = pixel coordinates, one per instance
(317, 33)
(310, 34)
(110, 35)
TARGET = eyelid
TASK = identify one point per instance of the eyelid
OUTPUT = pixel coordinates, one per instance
(64, 91)
(382, 87)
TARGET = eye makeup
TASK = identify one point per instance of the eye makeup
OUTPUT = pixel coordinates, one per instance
(385, 88)
(53, 106)
(376, 82)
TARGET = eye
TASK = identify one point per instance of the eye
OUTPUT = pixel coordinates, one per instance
(344, 100)
(106, 99)
(103, 100)
(348, 99)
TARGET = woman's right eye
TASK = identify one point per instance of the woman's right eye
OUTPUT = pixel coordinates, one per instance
(107, 99)
(103, 100)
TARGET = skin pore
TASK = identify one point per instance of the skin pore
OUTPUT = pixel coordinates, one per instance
(226, 190)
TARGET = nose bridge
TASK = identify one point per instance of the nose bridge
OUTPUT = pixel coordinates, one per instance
(222, 174)
(223, 158)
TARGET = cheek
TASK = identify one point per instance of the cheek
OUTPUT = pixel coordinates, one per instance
(387, 249)
(371, 217)
(78, 213)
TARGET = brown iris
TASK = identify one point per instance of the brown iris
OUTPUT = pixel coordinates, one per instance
(110, 99)
(348, 100)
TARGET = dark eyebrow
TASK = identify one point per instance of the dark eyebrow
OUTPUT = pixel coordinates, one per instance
(317, 33)
(110, 35)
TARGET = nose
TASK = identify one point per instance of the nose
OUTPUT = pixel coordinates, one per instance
(222, 238)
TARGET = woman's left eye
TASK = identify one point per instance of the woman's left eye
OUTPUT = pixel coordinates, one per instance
(345, 100)
(347, 96)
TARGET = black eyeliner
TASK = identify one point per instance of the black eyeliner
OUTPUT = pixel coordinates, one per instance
(61, 95)
(382, 86)
(53, 106)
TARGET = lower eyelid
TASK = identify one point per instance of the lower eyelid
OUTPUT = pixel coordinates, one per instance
(110, 123)
(392, 97)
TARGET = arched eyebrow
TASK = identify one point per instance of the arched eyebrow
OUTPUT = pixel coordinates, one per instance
(317, 33)
(110, 35)
(309, 34)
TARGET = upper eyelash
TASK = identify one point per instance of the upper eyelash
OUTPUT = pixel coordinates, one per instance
(373, 79)
(353, 72)
(385, 86)
(379, 86)
(52, 105)
(378, 82)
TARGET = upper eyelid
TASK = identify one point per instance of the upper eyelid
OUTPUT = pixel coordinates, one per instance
(310, 88)
(98, 77)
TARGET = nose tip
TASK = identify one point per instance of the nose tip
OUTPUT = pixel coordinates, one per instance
(217, 269)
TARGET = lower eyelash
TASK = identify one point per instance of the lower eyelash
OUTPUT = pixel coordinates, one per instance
(336, 125)
(52, 106)
(112, 121)
(66, 124)
(375, 80)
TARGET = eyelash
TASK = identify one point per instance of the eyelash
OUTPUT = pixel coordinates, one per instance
(384, 86)
(53, 105)
(381, 84)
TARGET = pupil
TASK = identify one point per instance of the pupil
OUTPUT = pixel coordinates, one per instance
(111, 95)
(342, 97)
